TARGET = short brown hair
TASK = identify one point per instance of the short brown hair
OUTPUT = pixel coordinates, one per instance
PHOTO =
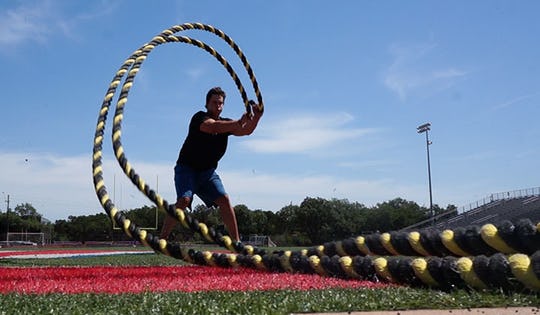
(215, 91)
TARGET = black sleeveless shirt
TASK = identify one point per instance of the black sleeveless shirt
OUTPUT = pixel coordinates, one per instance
(201, 150)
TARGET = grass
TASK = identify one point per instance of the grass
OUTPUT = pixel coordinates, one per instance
(261, 302)
(258, 302)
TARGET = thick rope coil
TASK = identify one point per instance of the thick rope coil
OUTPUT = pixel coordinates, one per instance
(503, 256)
(130, 68)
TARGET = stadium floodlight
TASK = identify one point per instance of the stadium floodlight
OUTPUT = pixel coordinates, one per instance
(425, 128)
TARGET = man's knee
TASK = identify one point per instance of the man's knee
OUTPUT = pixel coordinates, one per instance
(222, 200)
(183, 202)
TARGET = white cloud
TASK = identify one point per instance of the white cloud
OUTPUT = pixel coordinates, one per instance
(274, 191)
(367, 164)
(195, 73)
(305, 133)
(515, 100)
(447, 73)
(38, 21)
(476, 156)
(411, 71)
(24, 23)
(60, 186)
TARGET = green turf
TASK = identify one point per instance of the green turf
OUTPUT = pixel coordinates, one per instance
(265, 302)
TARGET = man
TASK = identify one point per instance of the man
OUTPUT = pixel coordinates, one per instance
(205, 144)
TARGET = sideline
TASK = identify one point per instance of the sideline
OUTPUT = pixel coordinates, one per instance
(65, 253)
(468, 311)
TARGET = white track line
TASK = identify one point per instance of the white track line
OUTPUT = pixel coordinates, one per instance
(16, 254)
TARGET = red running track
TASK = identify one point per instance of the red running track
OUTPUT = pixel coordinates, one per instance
(116, 280)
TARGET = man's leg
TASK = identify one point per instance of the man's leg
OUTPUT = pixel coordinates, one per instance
(228, 216)
(183, 184)
(169, 222)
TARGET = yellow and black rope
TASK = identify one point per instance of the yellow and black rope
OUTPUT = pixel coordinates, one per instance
(129, 69)
(503, 256)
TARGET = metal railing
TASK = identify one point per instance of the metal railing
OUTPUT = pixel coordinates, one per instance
(520, 193)
(492, 200)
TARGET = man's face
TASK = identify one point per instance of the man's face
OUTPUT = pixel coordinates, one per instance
(215, 104)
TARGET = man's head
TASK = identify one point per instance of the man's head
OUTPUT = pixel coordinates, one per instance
(215, 98)
(215, 91)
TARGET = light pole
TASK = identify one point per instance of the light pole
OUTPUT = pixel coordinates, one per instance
(7, 216)
(425, 128)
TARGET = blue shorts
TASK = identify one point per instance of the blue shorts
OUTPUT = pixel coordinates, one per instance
(205, 184)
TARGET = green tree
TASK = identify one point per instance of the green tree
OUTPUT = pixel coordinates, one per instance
(291, 230)
(287, 216)
(244, 220)
(252, 222)
(95, 227)
(144, 216)
(318, 220)
(394, 214)
(26, 210)
(25, 218)
(61, 230)
(328, 220)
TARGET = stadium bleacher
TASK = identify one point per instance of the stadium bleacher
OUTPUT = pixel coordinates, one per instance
(512, 206)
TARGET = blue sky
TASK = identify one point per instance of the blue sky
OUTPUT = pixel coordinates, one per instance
(345, 85)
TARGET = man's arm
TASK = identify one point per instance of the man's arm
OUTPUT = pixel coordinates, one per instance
(249, 122)
(213, 126)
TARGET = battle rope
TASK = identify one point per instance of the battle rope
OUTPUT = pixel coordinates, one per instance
(503, 256)
(131, 67)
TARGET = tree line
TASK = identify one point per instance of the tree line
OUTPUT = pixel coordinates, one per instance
(313, 221)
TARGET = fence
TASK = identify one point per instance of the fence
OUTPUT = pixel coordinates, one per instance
(520, 193)
(499, 202)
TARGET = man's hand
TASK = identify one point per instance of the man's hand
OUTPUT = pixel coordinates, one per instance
(254, 110)
(257, 110)
(244, 120)
(248, 122)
